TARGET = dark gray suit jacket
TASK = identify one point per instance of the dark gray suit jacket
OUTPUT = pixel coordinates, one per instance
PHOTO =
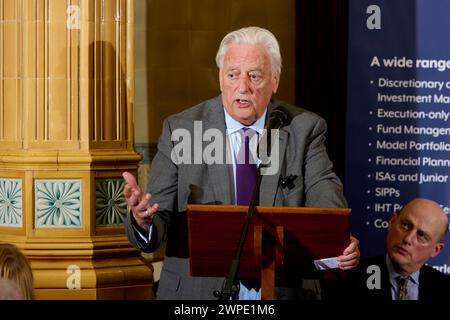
(302, 153)
(433, 285)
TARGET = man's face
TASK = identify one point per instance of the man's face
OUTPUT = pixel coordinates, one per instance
(413, 237)
(247, 82)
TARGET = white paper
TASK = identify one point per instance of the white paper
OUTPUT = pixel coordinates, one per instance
(327, 263)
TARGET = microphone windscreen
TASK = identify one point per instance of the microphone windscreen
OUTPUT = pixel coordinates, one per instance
(278, 118)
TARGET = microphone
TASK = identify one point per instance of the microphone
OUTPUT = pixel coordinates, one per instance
(279, 117)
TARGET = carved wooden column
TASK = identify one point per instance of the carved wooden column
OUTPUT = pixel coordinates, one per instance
(66, 135)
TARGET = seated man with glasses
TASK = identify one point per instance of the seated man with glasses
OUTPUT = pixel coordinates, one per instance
(415, 235)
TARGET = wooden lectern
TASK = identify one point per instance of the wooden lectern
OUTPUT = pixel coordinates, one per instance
(282, 241)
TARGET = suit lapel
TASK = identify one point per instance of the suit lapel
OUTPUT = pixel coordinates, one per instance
(219, 175)
(427, 285)
(269, 183)
(385, 281)
(382, 294)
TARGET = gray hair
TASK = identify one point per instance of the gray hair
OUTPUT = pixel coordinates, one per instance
(252, 36)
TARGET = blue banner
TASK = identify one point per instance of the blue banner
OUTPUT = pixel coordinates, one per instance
(398, 114)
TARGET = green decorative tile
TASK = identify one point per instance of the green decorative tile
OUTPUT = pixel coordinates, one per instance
(58, 203)
(110, 204)
(10, 203)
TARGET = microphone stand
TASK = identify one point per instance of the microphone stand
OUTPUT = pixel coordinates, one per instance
(230, 291)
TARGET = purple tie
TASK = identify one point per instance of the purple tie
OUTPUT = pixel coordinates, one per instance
(245, 170)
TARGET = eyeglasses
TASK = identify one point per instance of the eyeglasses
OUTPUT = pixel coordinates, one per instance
(420, 236)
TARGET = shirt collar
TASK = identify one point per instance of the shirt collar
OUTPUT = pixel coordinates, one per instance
(232, 125)
(393, 274)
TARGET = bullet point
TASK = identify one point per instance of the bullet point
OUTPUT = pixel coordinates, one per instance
(367, 223)
(370, 128)
(369, 160)
(370, 112)
(368, 207)
(371, 81)
(369, 176)
(370, 144)
(368, 191)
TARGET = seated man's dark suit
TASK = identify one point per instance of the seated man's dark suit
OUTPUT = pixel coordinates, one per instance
(433, 285)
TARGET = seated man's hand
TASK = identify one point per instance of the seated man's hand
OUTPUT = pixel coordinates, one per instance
(350, 257)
